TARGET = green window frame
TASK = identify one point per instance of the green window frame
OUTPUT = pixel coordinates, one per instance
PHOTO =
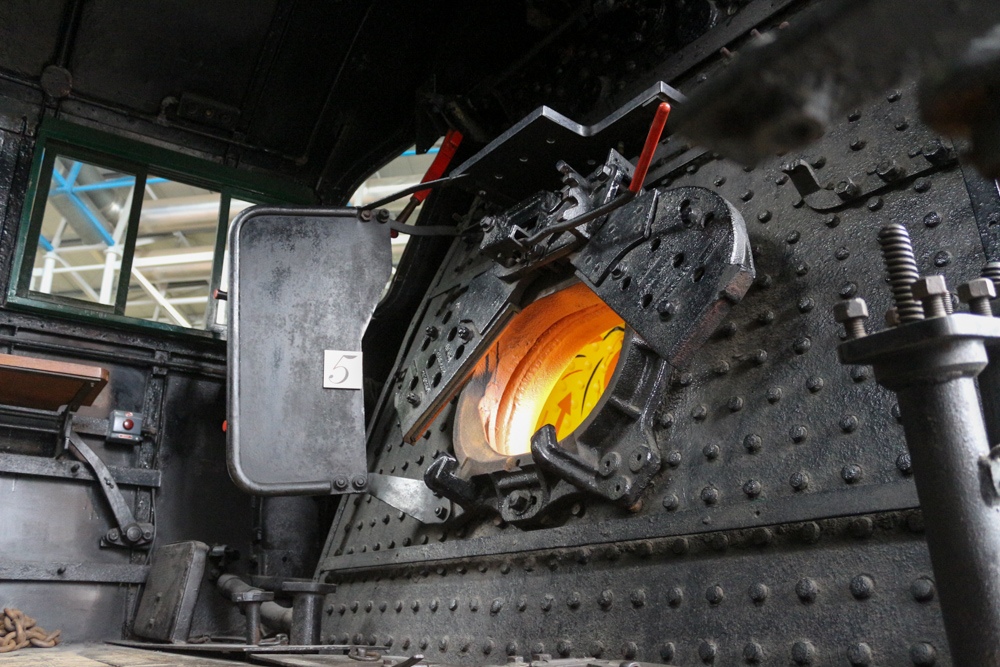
(58, 138)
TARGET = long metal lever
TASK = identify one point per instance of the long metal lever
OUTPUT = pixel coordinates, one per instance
(129, 533)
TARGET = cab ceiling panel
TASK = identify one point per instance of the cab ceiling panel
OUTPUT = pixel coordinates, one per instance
(29, 34)
(137, 54)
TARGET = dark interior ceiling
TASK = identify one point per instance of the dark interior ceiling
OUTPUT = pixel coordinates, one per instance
(325, 92)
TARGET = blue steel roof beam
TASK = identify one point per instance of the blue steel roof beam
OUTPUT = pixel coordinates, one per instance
(89, 215)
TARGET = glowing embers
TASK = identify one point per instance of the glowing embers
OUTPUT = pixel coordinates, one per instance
(582, 383)
(530, 375)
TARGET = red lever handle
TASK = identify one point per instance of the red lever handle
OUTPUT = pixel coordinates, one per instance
(655, 130)
(441, 162)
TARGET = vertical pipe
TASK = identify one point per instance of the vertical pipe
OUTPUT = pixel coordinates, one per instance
(946, 437)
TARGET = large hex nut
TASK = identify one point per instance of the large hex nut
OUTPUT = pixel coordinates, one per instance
(979, 288)
(924, 288)
(850, 310)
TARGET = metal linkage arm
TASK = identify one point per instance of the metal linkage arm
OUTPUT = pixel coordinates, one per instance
(129, 533)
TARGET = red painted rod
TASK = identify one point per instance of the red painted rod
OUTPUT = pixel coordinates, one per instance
(655, 130)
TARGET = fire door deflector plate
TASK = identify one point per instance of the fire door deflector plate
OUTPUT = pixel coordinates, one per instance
(302, 282)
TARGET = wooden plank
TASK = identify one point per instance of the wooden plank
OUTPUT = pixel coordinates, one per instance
(44, 384)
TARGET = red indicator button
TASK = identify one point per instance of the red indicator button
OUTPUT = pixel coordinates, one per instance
(128, 424)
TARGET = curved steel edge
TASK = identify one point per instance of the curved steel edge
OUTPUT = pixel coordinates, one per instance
(242, 481)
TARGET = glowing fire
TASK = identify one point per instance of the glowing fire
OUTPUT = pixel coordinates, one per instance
(550, 365)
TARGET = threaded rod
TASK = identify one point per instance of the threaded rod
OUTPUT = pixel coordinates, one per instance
(901, 267)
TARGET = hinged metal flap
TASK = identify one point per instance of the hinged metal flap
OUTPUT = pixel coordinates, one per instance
(303, 286)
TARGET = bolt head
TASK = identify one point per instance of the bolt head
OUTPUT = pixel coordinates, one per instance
(929, 286)
(980, 288)
(850, 309)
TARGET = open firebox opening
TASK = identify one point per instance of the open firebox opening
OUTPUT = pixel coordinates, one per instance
(550, 366)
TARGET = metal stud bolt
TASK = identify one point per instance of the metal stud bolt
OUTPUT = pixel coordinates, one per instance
(978, 293)
(852, 314)
(932, 292)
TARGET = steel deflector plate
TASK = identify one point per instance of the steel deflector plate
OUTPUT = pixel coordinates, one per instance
(301, 282)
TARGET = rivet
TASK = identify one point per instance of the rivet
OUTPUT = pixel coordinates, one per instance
(728, 330)
(764, 281)
(773, 395)
(680, 546)
(711, 452)
(860, 373)
(667, 419)
(799, 481)
(596, 649)
(707, 651)
(862, 527)
(699, 412)
(564, 647)
(488, 646)
(747, 195)
(801, 269)
(720, 541)
(522, 603)
(922, 185)
(809, 532)
(547, 603)
(443, 643)
(798, 434)
(355, 606)
(606, 598)
(434, 604)
(803, 653)
(806, 589)
(781, 180)
(752, 488)
(667, 651)
(761, 537)
(671, 502)
(720, 181)
(511, 648)
(793, 237)
(942, 258)
(765, 317)
(405, 644)
(842, 253)
(399, 606)
(859, 655)
(685, 379)
(753, 653)
(715, 595)
(857, 144)
(915, 522)
(388, 641)
(922, 589)
(764, 216)
(496, 606)
(674, 459)
(415, 606)
(573, 601)
(904, 464)
(802, 345)
(425, 642)
(852, 473)
(814, 384)
(504, 568)
(875, 203)
(758, 592)
(759, 357)
(923, 654)
(629, 650)
(832, 221)
(369, 606)
(735, 405)
(896, 414)
(453, 604)
(862, 587)
(932, 220)
(382, 606)
(710, 495)
(721, 368)
(849, 423)
(853, 116)
(848, 290)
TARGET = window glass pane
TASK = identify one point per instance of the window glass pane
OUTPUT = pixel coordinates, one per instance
(83, 232)
(236, 206)
(174, 250)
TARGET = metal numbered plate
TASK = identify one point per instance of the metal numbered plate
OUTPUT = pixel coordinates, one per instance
(303, 286)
